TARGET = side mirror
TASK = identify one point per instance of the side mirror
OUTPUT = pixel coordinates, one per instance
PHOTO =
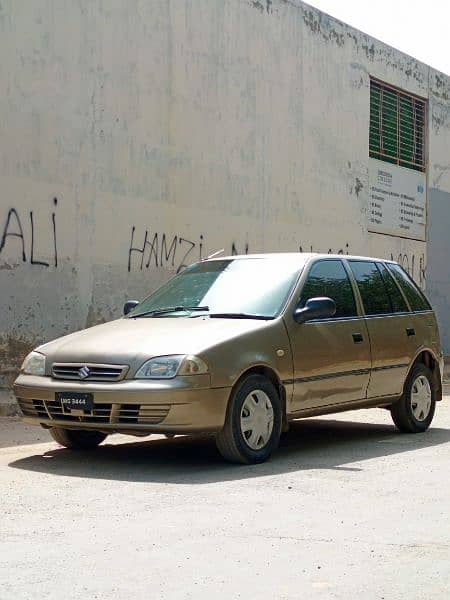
(315, 308)
(129, 305)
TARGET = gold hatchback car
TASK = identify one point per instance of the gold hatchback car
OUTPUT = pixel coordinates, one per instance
(240, 346)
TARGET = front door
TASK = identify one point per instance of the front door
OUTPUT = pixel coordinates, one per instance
(331, 356)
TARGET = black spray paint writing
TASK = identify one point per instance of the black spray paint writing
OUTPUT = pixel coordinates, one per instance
(13, 229)
(413, 264)
(310, 248)
(160, 250)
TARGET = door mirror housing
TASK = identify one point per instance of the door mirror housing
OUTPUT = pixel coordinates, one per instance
(129, 305)
(315, 308)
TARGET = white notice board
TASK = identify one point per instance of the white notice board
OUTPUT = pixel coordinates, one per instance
(397, 200)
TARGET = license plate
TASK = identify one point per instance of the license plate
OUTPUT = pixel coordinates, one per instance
(71, 401)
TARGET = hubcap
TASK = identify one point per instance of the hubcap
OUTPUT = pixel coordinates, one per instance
(421, 398)
(257, 419)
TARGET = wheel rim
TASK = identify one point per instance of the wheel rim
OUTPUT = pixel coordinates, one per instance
(257, 419)
(421, 398)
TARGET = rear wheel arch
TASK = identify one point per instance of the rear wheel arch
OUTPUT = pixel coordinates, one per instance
(427, 358)
(414, 411)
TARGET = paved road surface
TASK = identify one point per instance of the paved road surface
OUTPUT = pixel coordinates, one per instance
(347, 508)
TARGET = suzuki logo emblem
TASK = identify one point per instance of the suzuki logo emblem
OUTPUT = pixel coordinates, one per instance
(84, 372)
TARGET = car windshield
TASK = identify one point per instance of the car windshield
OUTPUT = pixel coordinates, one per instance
(234, 288)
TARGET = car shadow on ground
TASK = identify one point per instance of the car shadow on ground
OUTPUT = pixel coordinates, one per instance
(309, 444)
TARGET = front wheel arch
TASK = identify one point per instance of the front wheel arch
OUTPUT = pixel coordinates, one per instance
(273, 377)
(230, 440)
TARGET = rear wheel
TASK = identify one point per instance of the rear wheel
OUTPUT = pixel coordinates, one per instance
(414, 411)
(253, 423)
(77, 439)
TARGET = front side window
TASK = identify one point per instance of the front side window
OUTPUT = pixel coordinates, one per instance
(373, 291)
(257, 287)
(416, 299)
(397, 126)
(328, 278)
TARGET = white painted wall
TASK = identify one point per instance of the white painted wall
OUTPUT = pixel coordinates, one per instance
(206, 123)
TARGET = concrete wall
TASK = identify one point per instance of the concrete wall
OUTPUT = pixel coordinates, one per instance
(438, 280)
(136, 137)
(438, 272)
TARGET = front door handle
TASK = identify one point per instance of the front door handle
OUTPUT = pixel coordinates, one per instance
(410, 331)
(357, 338)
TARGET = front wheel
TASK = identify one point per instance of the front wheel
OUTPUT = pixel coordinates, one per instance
(77, 439)
(414, 411)
(253, 423)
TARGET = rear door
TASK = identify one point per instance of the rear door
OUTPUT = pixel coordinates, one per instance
(424, 332)
(389, 323)
(331, 356)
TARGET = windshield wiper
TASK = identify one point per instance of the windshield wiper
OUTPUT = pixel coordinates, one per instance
(169, 309)
(231, 315)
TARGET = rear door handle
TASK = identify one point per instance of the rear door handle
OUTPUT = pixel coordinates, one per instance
(357, 338)
(410, 331)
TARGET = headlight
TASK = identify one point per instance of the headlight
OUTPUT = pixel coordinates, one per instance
(166, 367)
(34, 364)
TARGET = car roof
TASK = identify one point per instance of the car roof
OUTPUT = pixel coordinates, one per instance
(304, 256)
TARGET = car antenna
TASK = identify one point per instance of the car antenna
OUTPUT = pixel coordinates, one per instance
(214, 254)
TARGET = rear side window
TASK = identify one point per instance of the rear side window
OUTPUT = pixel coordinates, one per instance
(414, 296)
(371, 286)
(397, 301)
(329, 278)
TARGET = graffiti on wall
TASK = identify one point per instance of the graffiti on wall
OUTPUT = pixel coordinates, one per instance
(310, 248)
(160, 250)
(14, 229)
(414, 264)
(152, 249)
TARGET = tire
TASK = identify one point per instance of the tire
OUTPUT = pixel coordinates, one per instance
(256, 403)
(77, 439)
(414, 411)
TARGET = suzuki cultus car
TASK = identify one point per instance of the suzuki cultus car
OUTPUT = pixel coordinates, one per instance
(240, 346)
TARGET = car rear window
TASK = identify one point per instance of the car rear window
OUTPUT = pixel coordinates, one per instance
(397, 300)
(413, 294)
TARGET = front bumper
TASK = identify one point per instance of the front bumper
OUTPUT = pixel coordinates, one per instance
(180, 405)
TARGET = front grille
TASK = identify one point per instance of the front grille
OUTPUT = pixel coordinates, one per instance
(125, 414)
(100, 414)
(89, 372)
(32, 408)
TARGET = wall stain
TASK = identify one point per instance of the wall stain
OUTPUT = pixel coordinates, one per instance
(369, 51)
(12, 353)
(258, 5)
(358, 186)
(441, 88)
(321, 25)
(443, 170)
(440, 115)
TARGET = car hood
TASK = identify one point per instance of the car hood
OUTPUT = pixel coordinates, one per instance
(131, 341)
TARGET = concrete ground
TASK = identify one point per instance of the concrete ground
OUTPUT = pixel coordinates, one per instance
(347, 508)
